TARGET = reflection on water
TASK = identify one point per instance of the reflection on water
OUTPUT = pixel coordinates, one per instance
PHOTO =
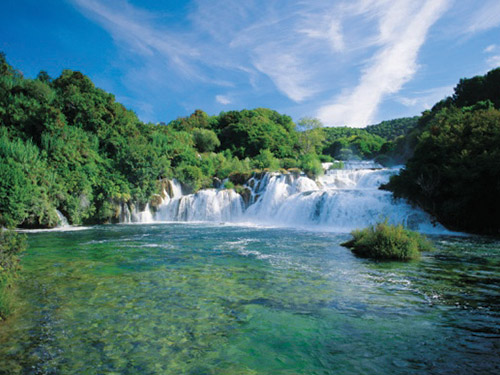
(197, 299)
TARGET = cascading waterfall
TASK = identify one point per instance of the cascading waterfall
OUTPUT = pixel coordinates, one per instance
(63, 222)
(341, 200)
(206, 205)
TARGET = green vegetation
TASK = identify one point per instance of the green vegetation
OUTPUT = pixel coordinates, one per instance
(455, 168)
(339, 164)
(392, 129)
(11, 245)
(67, 145)
(387, 242)
(345, 143)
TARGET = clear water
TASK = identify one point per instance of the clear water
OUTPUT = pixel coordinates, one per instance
(214, 299)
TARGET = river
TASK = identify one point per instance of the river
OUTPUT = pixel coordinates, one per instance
(183, 298)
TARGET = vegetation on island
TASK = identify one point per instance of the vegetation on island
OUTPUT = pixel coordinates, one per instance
(11, 245)
(384, 241)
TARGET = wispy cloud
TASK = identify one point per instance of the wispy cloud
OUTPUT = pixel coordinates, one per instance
(484, 17)
(425, 99)
(139, 32)
(491, 48)
(403, 29)
(493, 61)
(222, 99)
(329, 30)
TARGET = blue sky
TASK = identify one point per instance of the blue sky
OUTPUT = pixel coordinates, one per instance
(353, 63)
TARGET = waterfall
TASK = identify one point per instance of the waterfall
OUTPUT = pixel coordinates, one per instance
(63, 222)
(341, 200)
(206, 205)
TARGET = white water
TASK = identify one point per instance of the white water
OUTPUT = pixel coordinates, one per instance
(341, 200)
(63, 222)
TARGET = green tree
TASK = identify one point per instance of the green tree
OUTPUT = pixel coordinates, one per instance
(205, 140)
(311, 134)
(311, 165)
(266, 160)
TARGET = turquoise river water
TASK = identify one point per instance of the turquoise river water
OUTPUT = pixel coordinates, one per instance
(220, 299)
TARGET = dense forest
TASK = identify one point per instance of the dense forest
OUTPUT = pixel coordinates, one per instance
(454, 172)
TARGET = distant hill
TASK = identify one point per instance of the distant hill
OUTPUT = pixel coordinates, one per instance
(392, 129)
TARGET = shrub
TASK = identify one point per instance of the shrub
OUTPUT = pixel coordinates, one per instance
(205, 140)
(325, 158)
(288, 163)
(311, 165)
(337, 164)
(266, 160)
(385, 241)
(190, 175)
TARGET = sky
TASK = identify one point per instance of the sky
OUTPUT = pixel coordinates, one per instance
(348, 63)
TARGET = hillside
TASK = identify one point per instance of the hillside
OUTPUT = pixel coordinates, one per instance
(454, 172)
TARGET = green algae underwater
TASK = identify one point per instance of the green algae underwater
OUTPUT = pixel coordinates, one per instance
(216, 299)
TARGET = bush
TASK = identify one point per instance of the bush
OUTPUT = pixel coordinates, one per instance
(288, 163)
(266, 160)
(11, 244)
(228, 185)
(385, 241)
(337, 164)
(190, 175)
(325, 158)
(205, 140)
(311, 166)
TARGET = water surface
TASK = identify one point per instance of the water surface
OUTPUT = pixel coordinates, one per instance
(215, 299)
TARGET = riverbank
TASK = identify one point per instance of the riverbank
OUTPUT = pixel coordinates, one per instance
(11, 245)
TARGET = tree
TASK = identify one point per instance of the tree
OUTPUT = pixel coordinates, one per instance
(205, 140)
(266, 159)
(311, 134)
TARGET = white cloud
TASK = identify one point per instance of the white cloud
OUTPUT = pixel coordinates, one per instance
(222, 99)
(494, 61)
(287, 73)
(422, 100)
(490, 48)
(486, 16)
(403, 29)
(329, 29)
(136, 30)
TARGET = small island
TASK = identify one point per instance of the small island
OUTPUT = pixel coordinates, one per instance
(384, 241)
